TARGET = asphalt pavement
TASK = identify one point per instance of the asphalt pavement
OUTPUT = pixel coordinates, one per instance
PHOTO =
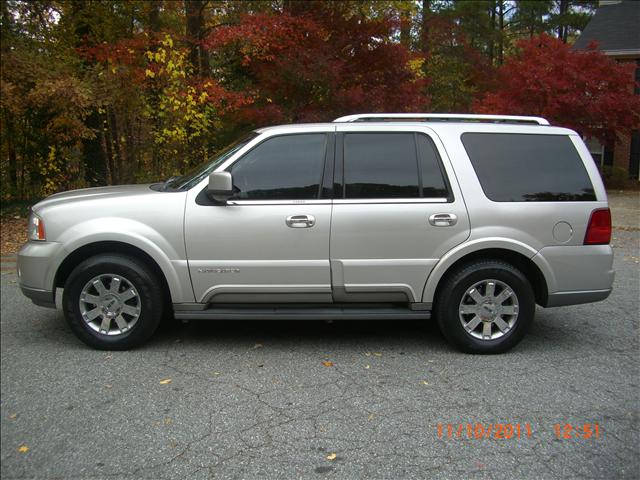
(361, 400)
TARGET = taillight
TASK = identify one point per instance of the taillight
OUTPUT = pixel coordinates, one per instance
(599, 228)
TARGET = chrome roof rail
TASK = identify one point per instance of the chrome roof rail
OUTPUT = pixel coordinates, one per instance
(441, 117)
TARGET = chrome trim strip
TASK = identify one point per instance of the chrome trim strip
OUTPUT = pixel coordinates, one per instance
(338, 201)
(248, 289)
(279, 202)
(388, 200)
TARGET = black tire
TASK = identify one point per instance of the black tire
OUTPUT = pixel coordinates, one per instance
(454, 289)
(140, 276)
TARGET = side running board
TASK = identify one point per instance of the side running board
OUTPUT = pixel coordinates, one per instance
(302, 313)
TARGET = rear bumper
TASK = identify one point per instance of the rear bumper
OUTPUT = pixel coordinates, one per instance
(560, 299)
(42, 298)
(576, 274)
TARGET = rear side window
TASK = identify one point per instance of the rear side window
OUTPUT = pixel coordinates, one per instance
(392, 165)
(516, 167)
(287, 167)
(433, 184)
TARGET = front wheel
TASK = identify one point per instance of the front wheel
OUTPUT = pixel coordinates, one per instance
(485, 307)
(112, 302)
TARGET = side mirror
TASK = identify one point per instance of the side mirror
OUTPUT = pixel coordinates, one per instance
(220, 186)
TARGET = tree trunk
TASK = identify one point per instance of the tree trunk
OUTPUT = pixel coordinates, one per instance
(11, 153)
(424, 27)
(492, 39)
(154, 16)
(405, 30)
(91, 149)
(562, 27)
(194, 10)
(500, 32)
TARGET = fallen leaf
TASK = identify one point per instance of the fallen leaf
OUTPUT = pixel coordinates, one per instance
(377, 354)
(367, 354)
(107, 385)
(165, 381)
(216, 373)
(331, 456)
(258, 345)
(370, 417)
(424, 382)
(23, 449)
(13, 416)
(367, 366)
(327, 363)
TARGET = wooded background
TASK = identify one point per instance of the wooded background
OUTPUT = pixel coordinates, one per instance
(110, 92)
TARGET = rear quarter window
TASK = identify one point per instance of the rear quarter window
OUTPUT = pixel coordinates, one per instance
(514, 167)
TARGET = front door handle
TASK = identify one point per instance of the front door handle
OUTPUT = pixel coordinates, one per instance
(301, 221)
(443, 219)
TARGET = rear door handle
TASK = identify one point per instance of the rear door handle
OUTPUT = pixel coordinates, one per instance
(301, 221)
(443, 219)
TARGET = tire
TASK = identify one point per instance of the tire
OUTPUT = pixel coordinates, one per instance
(466, 297)
(130, 306)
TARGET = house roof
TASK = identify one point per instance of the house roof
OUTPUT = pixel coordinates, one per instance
(615, 28)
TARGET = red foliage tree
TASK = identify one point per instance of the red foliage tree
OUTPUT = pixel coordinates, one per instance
(314, 66)
(582, 90)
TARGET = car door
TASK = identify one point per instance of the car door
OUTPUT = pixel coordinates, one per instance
(270, 242)
(397, 210)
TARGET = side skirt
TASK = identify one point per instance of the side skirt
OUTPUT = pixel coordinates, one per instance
(297, 312)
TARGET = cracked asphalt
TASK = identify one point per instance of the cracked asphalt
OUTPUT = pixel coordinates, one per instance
(253, 400)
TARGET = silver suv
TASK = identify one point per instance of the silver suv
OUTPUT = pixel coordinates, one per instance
(471, 219)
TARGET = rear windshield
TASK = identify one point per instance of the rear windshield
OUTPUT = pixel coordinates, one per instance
(515, 167)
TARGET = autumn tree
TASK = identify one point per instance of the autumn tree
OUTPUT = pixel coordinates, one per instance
(322, 62)
(585, 91)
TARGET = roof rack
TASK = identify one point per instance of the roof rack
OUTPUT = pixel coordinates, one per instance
(441, 117)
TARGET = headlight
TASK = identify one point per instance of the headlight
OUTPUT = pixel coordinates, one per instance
(36, 227)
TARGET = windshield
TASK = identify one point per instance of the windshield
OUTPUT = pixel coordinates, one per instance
(197, 174)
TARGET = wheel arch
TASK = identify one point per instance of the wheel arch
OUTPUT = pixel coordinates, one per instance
(518, 255)
(108, 246)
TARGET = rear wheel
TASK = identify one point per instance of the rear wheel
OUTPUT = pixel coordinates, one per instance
(485, 307)
(113, 302)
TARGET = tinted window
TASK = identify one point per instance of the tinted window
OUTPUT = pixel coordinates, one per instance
(380, 165)
(287, 167)
(528, 168)
(433, 184)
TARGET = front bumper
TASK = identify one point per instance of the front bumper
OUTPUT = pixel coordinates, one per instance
(37, 264)
(42, 298)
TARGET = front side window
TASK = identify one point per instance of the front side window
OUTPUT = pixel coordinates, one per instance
(516, 167)
(287, 167)
(392, 165)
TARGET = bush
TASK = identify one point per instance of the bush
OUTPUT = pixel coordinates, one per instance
(618, 178)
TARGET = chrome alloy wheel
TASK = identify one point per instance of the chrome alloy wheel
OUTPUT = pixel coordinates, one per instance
(488, 310)
(110, 304)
